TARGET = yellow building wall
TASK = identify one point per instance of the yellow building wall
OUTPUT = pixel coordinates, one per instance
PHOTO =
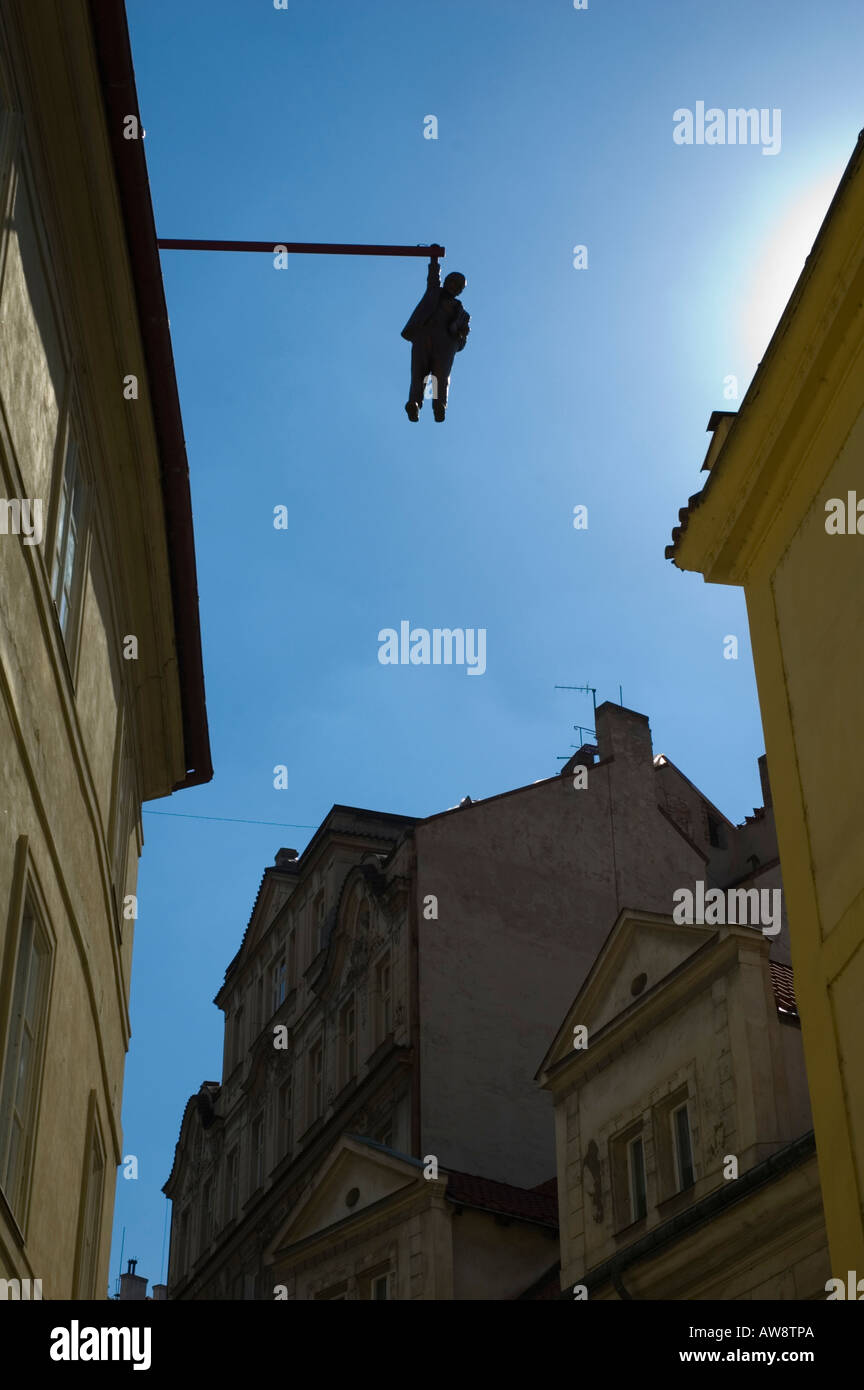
(807, 633)
(69, 332)
(796, 442)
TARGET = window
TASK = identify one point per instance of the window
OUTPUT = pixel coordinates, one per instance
(181, 1254)
(375, 1283)
(682, 1147)
(381, 1286)
(238, 1035)
(256, 1167)
(93, 1191)
(318, 922)
(636, 1178)
(68, 558)
(31, 398)
(285, 1107)
(673, 1118)
(232, 1183)
(629, 1177)
(385, 1000)
(207, 1214)
(277, 984)
(291, 953)
(316, 1082)
(22, 1060)
(348, 1032)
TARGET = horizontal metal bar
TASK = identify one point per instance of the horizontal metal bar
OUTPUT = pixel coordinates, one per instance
(300, 248)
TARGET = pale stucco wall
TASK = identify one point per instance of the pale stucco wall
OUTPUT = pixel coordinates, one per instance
(746, 1091)
(69, 336)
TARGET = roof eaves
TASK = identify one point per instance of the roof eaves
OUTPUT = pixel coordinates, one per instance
(114, 59)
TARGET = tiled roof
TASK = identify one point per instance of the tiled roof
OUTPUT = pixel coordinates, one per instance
(784, 988)
(549, 1188)
(538, 1204)
(684, 514)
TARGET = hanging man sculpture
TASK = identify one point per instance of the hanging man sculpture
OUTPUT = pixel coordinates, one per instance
(437, 330)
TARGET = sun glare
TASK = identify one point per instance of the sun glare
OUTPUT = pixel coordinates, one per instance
(780, 261)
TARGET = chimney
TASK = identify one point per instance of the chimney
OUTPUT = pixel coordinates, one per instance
(160, 1293)
(624, 734)
(766, 785)
(285, 858)
(133, 1289)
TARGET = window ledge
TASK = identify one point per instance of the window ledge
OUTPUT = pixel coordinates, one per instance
(677, 1201)
(635, 1228)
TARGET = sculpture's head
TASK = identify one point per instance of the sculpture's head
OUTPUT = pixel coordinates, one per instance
(454, 283)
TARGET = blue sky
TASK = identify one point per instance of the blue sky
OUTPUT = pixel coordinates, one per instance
(588, 386)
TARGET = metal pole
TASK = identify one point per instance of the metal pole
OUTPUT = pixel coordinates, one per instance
(301, 248)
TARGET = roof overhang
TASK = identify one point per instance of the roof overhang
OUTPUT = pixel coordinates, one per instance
(114, 58)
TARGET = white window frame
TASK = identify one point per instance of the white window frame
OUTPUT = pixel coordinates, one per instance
(374, 1284)
(92, 1204)
(16, 1181)
(69, 618)
(278, 983)
(676, 1155)
(635, 1213)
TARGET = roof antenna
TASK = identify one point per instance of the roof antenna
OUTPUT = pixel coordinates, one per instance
(581, 729)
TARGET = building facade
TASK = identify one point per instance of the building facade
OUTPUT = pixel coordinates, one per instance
(685, 1153)
(101, 689)
(779, 515)
(395, 988)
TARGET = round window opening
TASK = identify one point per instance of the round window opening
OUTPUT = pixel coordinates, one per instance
(639, 983)
(352, 1197)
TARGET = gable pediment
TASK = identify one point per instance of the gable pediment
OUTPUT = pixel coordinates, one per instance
(274, 894)
(355, 1171)
(642, 950)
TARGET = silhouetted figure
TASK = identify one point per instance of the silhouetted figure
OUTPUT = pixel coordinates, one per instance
(437, 330)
